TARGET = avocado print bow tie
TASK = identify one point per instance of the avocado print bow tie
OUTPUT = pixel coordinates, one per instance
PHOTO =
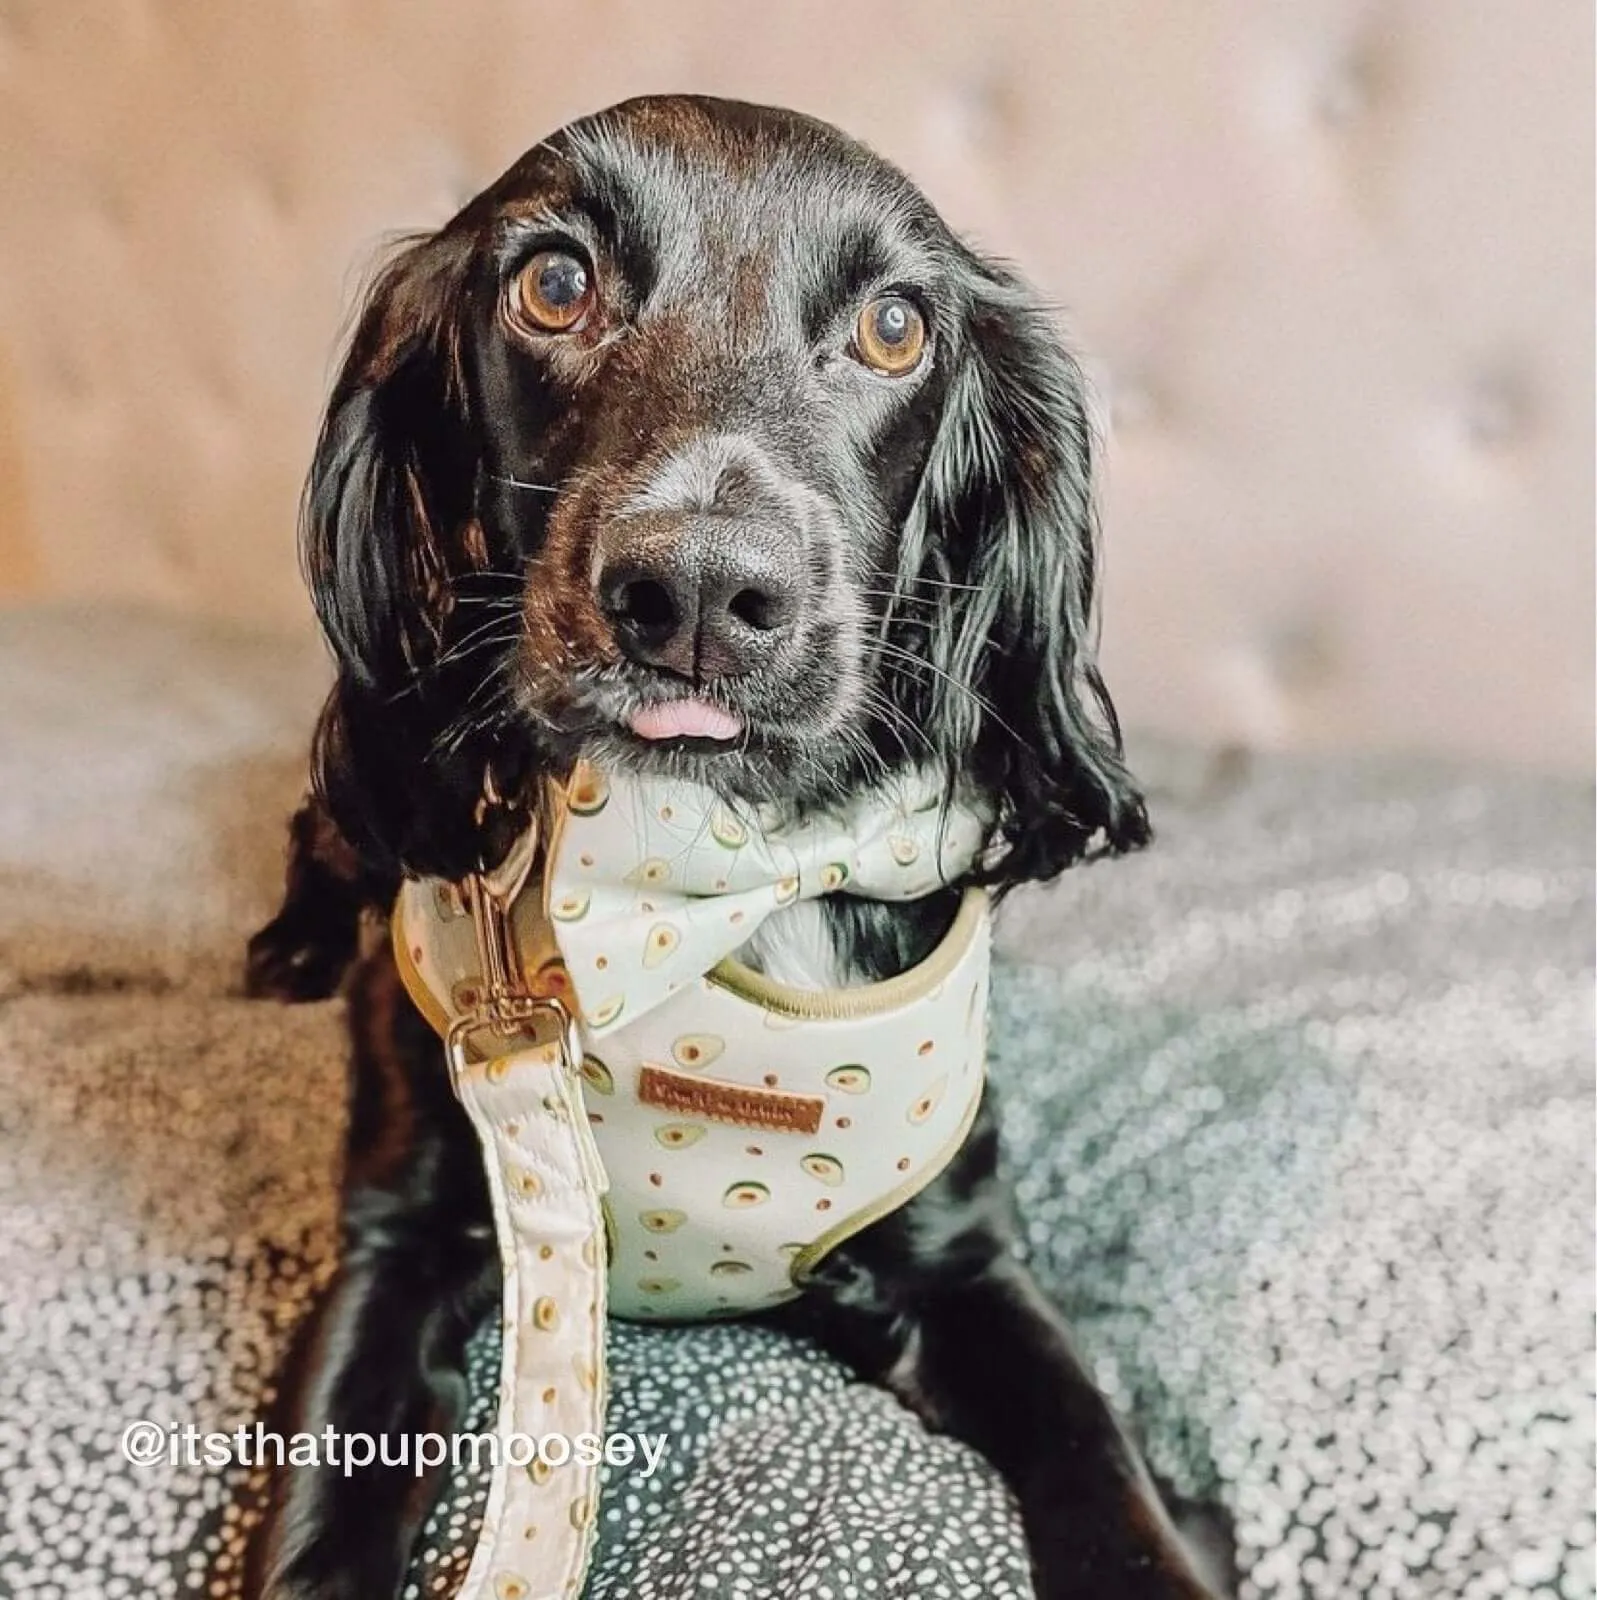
(652, 882)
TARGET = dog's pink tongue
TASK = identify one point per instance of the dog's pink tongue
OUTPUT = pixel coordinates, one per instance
(685, 719)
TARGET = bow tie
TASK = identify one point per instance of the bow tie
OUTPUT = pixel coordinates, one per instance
(652, 882)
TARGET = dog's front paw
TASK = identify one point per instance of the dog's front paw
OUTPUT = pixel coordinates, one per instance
(1139, 1555)
(330, 1580)
(1140, 1579)
(297, 958)
(339, 1587)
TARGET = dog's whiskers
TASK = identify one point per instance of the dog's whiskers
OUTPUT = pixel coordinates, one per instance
(473, 719)
(982, 704)
(522, 483)
(940, 583)
(898, 722)
(482, 637)
(492, 631)
(897, 596)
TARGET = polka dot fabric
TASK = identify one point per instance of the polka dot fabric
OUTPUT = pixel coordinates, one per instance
(1299, 1110)
(782, 1477)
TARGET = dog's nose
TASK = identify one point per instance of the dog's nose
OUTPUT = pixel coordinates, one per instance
(704, 596)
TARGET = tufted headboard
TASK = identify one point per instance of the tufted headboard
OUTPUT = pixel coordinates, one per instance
(1332, 262)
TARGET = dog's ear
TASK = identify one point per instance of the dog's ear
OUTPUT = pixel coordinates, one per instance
(387, 505)
(1003, 539)
(387, 531)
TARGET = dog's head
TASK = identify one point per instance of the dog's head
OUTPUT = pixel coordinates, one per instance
(698, 441)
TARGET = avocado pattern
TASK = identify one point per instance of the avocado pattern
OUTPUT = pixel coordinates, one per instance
(652, 883)
(695, 1050)
(524, 1106)
(718, 1203)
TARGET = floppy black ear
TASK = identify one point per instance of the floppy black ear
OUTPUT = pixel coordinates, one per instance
(387, 531)
(389, 491)
(1004, 533)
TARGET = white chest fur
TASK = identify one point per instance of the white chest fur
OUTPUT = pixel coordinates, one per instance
(795, 948)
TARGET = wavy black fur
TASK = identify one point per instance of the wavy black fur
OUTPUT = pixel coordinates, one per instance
(472, 484)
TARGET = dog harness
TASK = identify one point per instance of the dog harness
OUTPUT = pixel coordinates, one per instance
(644, 1098)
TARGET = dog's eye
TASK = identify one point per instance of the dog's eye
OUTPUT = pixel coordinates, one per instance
(554, 291)
(890, 335)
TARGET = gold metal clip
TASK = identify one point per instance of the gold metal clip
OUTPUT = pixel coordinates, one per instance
(505, 1009)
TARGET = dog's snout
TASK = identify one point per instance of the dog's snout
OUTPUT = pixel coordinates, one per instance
(703, 596)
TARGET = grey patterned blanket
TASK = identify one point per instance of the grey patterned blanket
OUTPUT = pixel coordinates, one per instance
(1299, 1108)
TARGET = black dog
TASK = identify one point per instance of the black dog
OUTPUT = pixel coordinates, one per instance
(697, 443)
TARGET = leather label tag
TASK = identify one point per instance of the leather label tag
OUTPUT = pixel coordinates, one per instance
(686, 1094)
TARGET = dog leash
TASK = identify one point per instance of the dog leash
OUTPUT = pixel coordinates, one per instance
(515, 1064)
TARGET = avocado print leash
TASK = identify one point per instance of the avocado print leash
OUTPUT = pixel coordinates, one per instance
(523, 1095)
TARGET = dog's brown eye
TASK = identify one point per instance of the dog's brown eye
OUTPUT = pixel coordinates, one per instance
(554, 291)
(890, 335)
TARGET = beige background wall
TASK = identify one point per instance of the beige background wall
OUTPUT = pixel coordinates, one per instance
(1332, 262)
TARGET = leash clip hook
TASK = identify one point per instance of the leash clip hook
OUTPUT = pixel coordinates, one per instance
(505, 1007)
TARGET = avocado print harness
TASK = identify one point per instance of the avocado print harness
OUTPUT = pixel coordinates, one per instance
(644, 1099)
